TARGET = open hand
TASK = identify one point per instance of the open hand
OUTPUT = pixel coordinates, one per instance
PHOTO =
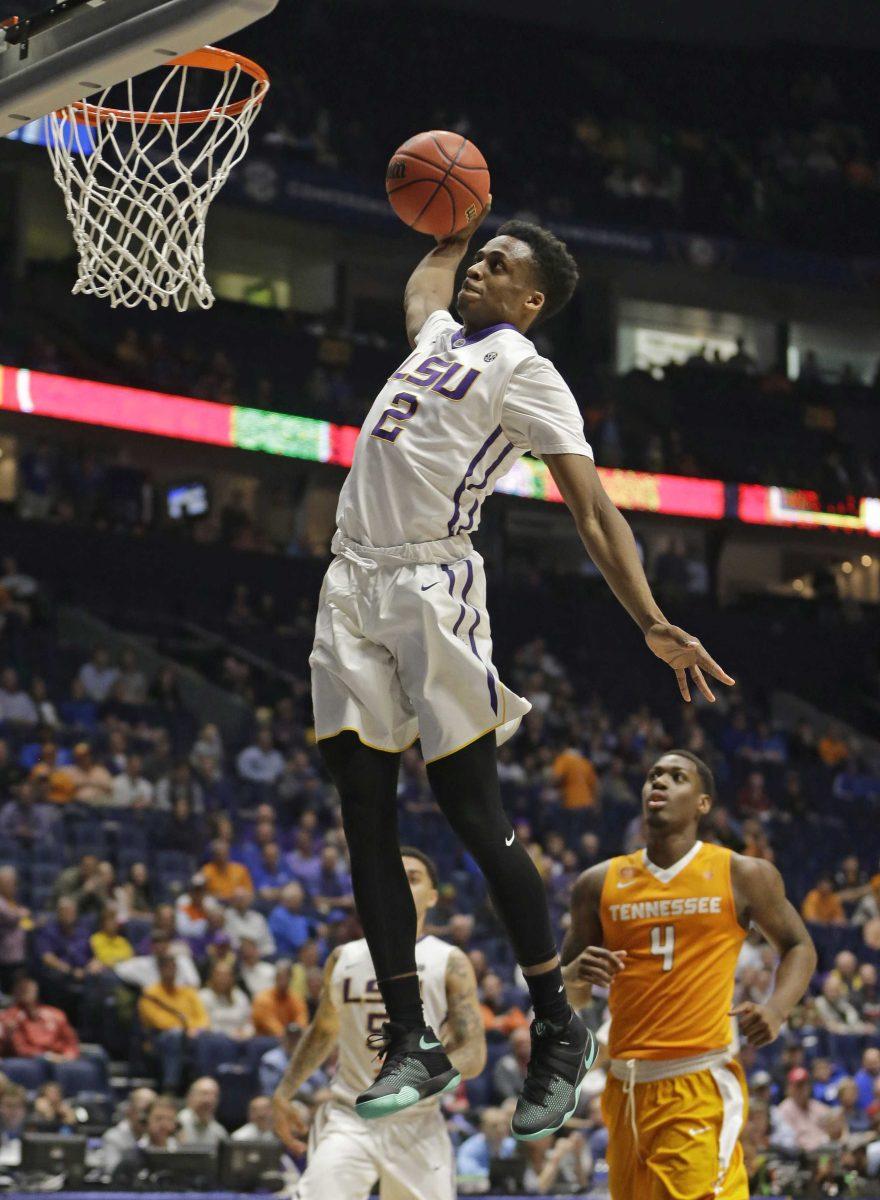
(465, 234)
(758, 1023)
(685, 653)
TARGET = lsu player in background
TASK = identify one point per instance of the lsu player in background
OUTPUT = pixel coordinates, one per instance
(662, 929)
(411, 1157)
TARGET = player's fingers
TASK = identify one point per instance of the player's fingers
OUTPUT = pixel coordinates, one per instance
(681, 676)
(711, 667)
(700, 680)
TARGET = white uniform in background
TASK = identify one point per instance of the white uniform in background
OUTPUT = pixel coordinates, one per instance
(410, 1153)
(402, 645)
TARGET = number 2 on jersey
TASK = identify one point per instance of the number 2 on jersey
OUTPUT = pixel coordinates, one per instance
(409, 404)
(663, 943)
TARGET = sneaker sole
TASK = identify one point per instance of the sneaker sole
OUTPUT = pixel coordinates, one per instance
(589, 1058)
(395, 1102)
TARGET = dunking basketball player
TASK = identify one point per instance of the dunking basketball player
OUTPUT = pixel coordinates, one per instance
(662, 929)
(410, 1158)
(402, 646)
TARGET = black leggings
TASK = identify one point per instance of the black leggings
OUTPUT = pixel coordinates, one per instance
(466, 787)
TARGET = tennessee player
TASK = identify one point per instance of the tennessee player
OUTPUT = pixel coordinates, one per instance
(662, 929)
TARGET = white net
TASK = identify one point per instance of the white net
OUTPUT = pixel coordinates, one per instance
(137, 189)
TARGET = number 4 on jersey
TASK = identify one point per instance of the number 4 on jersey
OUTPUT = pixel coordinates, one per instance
(663, 943)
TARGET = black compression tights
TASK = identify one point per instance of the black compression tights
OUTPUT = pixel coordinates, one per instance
(466, 787)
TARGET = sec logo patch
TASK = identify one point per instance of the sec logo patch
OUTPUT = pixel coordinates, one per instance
(490, 356)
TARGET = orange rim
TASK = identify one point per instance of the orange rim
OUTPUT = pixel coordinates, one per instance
(209, 58)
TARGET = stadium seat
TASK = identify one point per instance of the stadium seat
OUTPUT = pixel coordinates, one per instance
(80, 1075)
(211, 1051)
(30, 1073)
(255, 1048)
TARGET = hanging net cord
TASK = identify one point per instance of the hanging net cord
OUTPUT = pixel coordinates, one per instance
(137, 190)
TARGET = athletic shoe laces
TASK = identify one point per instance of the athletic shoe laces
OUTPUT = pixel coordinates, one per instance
(544, 1065)
(382, 1042)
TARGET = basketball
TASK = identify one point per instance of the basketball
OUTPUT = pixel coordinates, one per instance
(437, 182)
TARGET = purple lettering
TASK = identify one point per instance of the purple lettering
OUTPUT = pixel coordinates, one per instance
(444, 386)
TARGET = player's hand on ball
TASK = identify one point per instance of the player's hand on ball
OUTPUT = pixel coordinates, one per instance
(758, 1023)
(684, 654)
(289, 1124)
(464, 235)
(595, 965)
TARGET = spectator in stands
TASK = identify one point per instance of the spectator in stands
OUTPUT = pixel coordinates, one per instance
(832, 747)
(259, 1127)
(173, 1013)
(35, 1030)
(16, 706)
(867, 1077)
(130, 788)
(847, 1099)
(288, 923)
(868, 908)
(79, 712)
(135, 897)
(78, 881)
(835, 1011)
(63, 949)
(191, 909)
(866, 995)
(227, 1007)
(144, 969)
(14, 921)
(13, 1120)
(131, 684)
(199, 1128)
(92, 782)
(494, 1141)
(180, 829)
(579, 785)
(261, 763)
(499, 1017)
(122, 1139)
(179, 782)
(29, 819)
(243, 920)
(822, 905)
(274, 1062)
(98, 675)
(161, 1128)
(222, 876)
(271, 874)
(802, 1123)
(255, 974)
(558, 1166)
(333, 883)
(52, 1113)
(108, 945)
(510, 1070)
(279, 1006)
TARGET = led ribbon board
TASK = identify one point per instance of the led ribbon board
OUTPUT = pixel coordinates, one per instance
(87, 403)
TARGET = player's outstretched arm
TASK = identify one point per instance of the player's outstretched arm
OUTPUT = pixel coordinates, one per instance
(432, 282)
(612, 547)
(585, 961)
(761, 899)
(462, 1033)
(312, 1051)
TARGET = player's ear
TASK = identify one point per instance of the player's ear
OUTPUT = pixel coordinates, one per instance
(534, 303)
(704, 805)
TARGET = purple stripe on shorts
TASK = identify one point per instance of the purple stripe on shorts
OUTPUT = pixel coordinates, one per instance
(493, 696)
(456, 499)
(451, 576)
(478, 487)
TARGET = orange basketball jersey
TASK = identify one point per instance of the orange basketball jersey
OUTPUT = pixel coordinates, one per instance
(680, 930)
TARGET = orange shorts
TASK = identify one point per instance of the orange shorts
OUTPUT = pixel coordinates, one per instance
(688, 1137)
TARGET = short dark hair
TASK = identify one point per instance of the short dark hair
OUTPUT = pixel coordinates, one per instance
(556, 269)
(426, 861)
(707, 779)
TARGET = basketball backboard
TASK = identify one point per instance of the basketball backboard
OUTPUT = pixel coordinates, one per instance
(79, 47)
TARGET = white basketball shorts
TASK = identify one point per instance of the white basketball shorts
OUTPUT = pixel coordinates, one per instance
(403, 649)
(411, 1157)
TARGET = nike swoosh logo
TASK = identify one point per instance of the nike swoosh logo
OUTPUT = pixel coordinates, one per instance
(629, 884)
(423, 1045)
(509, 841)
(697, 1132)
(427, 587)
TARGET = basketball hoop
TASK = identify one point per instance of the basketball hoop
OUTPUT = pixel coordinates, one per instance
(138, 180)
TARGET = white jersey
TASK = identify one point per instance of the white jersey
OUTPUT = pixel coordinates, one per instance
(448, 424)
(361, 1009)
